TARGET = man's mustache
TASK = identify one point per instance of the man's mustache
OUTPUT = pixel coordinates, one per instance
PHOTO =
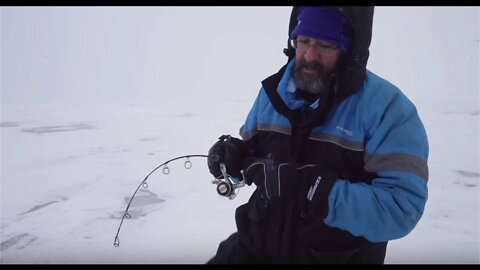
(312, 65)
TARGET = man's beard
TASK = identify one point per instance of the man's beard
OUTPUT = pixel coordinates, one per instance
(312, 83)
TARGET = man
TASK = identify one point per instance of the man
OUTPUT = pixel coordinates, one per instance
(338, 154)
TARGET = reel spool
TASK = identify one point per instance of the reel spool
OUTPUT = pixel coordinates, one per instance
(227, 186)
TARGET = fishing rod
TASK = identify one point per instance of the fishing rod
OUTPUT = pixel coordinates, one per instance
(226, 186)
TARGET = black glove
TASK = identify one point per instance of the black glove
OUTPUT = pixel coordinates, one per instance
(310, 182)
(230, 151)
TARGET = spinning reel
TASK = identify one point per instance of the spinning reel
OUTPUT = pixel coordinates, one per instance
(227, 186)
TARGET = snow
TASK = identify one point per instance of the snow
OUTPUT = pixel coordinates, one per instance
(94, 98)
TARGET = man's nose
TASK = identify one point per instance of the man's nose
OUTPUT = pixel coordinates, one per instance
(311, 55)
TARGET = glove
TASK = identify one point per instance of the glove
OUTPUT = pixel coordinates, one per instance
(230, 151)
(274, 179)
(310, 182)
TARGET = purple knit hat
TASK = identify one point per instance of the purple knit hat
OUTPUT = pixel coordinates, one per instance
(324, 23)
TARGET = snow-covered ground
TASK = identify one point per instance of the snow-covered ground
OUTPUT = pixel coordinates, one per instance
(93, 99)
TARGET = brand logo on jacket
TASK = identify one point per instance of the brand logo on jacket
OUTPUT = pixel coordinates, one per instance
(346, 132)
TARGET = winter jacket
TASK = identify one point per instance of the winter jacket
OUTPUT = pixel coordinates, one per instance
(374, 144)
(374, 140)
(368, 138)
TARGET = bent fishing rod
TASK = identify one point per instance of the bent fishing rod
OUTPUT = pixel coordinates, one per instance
(226, 186)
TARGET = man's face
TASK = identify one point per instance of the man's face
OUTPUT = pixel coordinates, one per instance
(315, 60)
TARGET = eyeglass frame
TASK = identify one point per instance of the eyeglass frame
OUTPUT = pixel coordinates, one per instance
(321, 47)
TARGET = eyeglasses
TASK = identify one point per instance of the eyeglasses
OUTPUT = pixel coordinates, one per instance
(320, 47)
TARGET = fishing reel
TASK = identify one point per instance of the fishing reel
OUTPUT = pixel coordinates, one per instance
(227, 186)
